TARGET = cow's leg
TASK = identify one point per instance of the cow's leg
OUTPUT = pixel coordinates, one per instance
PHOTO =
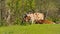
(32, 22)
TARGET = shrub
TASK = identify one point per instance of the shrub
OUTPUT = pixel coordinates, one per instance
(53, 19)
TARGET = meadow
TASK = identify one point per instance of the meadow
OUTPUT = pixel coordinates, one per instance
(31, 29)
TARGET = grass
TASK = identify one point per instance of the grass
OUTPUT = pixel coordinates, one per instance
(31, 29)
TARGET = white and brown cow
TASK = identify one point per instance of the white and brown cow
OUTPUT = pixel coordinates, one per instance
(34, 17)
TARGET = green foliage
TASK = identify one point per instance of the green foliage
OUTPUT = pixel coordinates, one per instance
(20, 7)
(53, 19)
(3, 23)
(17, 21)
(25, 23)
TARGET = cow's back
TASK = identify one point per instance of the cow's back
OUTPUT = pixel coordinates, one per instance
(39, 16)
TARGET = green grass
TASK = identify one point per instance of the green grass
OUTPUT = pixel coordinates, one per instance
(31, 29)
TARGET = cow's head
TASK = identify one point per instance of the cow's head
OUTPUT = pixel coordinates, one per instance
(27, 18)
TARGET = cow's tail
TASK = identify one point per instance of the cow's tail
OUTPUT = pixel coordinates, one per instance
(54, 23)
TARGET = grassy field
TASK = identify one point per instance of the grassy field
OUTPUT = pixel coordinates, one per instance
(31, 29)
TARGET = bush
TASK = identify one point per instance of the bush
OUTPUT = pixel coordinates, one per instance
(53, 19)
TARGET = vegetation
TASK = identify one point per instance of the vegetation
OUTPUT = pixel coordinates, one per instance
(31, 29)
(12, 11)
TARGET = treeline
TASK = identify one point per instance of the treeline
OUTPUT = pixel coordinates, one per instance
(12, 11)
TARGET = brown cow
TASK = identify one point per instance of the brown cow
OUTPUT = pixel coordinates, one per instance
(44, 22)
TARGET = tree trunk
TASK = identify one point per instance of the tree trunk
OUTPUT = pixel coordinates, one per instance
(2, 8)
(5, 14)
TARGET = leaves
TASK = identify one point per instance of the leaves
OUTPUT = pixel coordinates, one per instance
(18, 8)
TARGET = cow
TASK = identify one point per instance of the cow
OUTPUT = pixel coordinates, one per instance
(44, 22)
(34, 17)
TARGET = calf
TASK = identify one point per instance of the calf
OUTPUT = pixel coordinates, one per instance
(44, 22)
